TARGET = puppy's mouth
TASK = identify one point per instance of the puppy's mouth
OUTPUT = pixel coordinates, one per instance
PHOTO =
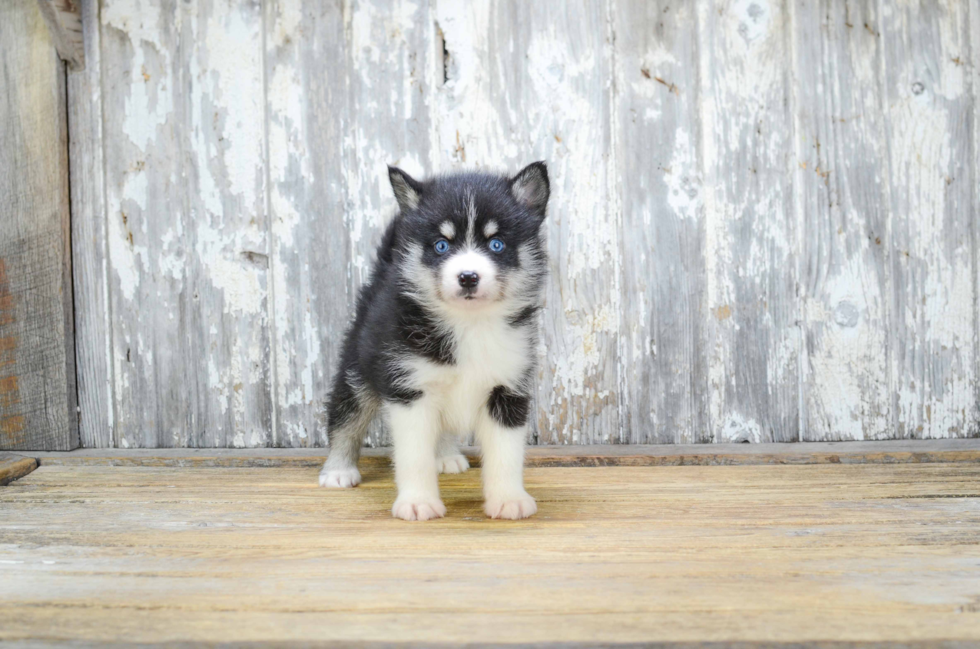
(471, 295)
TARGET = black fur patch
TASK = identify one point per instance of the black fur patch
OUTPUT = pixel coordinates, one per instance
(508, 408)
(524, 316)
(422, 334)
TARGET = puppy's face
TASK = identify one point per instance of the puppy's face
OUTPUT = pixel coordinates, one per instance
(473, 239)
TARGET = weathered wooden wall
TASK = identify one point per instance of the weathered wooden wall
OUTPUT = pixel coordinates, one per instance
(763, 225)
(37, 360)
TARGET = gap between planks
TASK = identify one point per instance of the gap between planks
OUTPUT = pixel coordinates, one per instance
(883, 452)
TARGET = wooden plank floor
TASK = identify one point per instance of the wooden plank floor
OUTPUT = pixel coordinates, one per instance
(619, 554)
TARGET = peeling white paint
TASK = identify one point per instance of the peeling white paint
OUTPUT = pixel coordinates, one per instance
(190, 183)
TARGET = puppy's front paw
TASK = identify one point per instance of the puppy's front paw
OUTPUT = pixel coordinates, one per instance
(452, 463)
(511, 508)
(342, 478)
(418, 509)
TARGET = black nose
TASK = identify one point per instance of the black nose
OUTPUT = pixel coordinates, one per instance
(468, 279)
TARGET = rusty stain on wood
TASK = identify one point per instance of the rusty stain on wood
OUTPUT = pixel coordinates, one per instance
(37, 371)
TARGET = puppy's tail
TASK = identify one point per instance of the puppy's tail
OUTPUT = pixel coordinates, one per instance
(350, 409)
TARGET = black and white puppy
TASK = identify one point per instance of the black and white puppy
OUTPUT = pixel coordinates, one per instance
(443, 341)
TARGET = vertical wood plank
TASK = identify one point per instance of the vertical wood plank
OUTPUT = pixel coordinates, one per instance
(527, 81)
(390, 67)
(752, 247)
(37, 364)
(89, 254)
(662, 243)
(973, 425)
(330, 203)
(929, 120)
(842, 175)
(306, 88)
(187, 231)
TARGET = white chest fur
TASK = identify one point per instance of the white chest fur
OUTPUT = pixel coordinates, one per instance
(488, 353)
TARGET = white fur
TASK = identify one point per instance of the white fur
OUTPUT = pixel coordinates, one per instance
(448, 457)
(339, 477)
(415, 432)
(447, 229)
(490, 229)
(469, 260)
(503, 471)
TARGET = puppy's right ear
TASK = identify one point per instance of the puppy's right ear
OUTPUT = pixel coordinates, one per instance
(408, 191)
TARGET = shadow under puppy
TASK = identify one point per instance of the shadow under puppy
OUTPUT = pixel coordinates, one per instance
(443, 341)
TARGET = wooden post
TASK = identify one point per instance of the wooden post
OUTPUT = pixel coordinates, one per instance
(37, 362)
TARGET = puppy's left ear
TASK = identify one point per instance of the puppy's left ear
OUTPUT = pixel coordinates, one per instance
(408, 191)
(530, 188)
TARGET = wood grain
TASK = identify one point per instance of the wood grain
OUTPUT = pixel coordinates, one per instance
(90, 261)
(13, 467)
(933, 259)
(37, 364)
(843, 190)
(673, 554)
(752, 249)
(663, 350)
(761, 226)
(187, 223)
(525, 82)
(307, 119)
(888, 452)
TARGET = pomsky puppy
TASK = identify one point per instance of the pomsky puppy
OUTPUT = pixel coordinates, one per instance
(443, 341)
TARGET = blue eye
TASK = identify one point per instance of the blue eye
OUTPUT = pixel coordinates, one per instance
(442, 246)
(496, 245)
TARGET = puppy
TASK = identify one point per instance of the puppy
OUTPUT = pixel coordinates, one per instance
(443, 341)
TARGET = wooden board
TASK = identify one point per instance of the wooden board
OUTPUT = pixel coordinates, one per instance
(307, 115)
(13, 467)
(186, 208)
(973, 425)
(90, 262)
(752, 248)
(890, 452)
(842, 188)
(663, 350)
(672, 554)
(930, 131)
(761, 226)
(37, 364)
(527, 82)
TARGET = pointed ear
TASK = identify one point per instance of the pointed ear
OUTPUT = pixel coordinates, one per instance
(530, 187)
(408, 191)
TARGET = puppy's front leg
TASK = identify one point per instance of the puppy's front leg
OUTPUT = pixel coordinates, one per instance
(501, 432)
(415, 431)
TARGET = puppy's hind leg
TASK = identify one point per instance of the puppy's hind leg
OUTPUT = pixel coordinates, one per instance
(349, 412)
(448, 457)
